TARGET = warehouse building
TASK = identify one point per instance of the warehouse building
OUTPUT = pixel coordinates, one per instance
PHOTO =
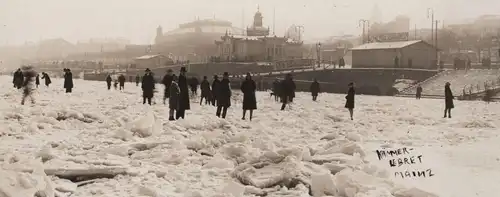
(404, 54)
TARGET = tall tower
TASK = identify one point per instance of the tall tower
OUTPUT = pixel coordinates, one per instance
(257, 18)
(159, 34)
(376, 14)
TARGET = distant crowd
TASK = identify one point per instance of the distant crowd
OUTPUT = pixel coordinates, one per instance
(178, 88)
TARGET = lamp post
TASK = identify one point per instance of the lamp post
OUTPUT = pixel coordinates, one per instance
(365, 24)
(318, 53)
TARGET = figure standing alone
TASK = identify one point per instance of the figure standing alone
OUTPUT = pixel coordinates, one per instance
(223, 96)
(68, 80)
(148, 86)
(419, 92)
(184, 95)
(314, 89)
(121, 80)
(448, 99)
(349, 104)
(173, 101)
(248, 88)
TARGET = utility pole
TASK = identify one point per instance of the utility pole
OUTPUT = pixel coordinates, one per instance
(436, 45)
(430, 14)
(415, 31)
(365, 23)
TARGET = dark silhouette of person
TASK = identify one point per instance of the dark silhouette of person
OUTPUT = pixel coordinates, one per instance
(419, 92)
(349, 104)
(173, 101)
(137, 80)
(148, 86)
(287, 90)
(121, 80)
(37, 80)
(276, 90)
(46, 77)
(108, 81)
(315, 89)
(215, 89)
(223, 96)
(167, 81)
(193, 83)
(68, 80)
(184, 94)
(205, 91)
(248, 87)
(448, 99)
(18, 79)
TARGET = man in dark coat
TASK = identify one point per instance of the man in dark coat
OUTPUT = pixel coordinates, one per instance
(215, 89)
(184, 95)
(205, 91)
(68, 80)
(448, 98)
(121, 80)
(18, 79)
(37, 81)
(47, 79)
(287, 90)
(148, 86)
(167, 81)
(193, 83)
(248, 88)
(223, 96)
(137, 80)
(108, 81)
(276, 90)
(314, 89)
(349, 103)
(419, 92)
(173, 101)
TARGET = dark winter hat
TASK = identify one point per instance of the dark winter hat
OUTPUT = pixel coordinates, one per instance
(447, 83)
(183, 69)
(350, 84)
(147, 70)
(226, 74)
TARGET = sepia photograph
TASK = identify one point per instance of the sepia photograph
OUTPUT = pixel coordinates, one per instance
(249, 98)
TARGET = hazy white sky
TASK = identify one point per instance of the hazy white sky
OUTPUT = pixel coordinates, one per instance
(31, 20)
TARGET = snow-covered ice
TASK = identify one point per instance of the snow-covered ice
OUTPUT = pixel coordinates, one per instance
(313, 149)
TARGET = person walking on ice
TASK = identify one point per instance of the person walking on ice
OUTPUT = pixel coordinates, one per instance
(248, 88)
(448, 99)
(28, 84)
(173, 101)
(349, 104)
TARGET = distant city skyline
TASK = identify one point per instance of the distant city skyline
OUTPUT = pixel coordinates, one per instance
(32, 20)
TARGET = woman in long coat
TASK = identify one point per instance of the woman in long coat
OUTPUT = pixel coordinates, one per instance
(448, 99)
(223, 96)
(349, 104)
(184, 95)
(173, 101)
(68, 80)
(248, 88)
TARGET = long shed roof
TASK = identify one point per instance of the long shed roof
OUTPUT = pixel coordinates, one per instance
(386, 45)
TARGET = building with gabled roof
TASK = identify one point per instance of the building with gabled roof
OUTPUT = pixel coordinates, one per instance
(404, 54)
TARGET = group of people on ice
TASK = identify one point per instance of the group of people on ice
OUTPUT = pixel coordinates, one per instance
(218, 93)
(26, 78)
